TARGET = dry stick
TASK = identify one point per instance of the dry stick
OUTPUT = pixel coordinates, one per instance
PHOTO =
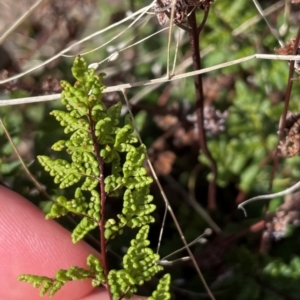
(120, 87)
(257, 18)
(272, 29)
(163, 220)
(185, 64)
(163, 261)
(75, 44)
(20, 20)
(190, 198)
(194, 38)
(287, 11)
(115, 37)
(269, 196)
(109, 58)
(170, 36)
(176, 52)
(169, 207)
(40, 188)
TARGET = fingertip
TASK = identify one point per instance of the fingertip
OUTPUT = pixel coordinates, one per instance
(31, 245)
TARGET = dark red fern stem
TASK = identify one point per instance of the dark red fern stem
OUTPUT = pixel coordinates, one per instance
(103, 251)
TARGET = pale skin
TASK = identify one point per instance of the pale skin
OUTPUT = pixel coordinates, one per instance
(29, 244)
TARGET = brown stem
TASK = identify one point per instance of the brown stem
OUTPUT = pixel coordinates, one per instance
(103, 251)
(194, 33)
(285, 110)
(286, 106)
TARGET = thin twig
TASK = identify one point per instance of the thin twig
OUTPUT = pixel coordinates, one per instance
(176, 52)
(276, 6)
(76, 44)
(190, 198)
(272, 29)
(194, 38)
(118, 35)
(170, 36)
(19, 21)
(39, 187)
(206, 232)
(287, 191)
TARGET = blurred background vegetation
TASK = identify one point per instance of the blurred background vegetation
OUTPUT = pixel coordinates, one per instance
(245, 258)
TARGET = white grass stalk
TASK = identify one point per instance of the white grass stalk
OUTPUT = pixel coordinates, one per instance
(163, 79)
(285, 192)
(19, 21)
(141, 11)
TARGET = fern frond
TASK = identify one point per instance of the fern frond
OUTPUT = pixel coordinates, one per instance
(53, 285)
(85, 226)
(70, 123)
(162, 290)
(65, 174)
(49, 285)
(80, 206)
(139, 265)
(96, 143)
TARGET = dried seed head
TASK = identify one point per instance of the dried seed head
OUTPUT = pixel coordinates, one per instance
(287, 214)
(214, 120)
(163, 9)
(291, 119)
(288, 49)
(290, 144)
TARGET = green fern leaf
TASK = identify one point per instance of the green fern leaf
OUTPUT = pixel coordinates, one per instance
(53, 285)
(162, 290)
(139, 265)
(84, 226)
(64, 173)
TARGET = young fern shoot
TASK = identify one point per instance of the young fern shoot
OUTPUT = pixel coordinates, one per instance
(97, 141)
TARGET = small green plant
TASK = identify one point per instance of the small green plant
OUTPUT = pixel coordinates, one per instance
(97, 142)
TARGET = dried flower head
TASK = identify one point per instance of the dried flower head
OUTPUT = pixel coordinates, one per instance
(163, 8)
(290, 144)
(214, 120)
(287, 214)
(288, 49)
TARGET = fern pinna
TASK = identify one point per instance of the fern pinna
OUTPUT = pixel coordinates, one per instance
(96, 140)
